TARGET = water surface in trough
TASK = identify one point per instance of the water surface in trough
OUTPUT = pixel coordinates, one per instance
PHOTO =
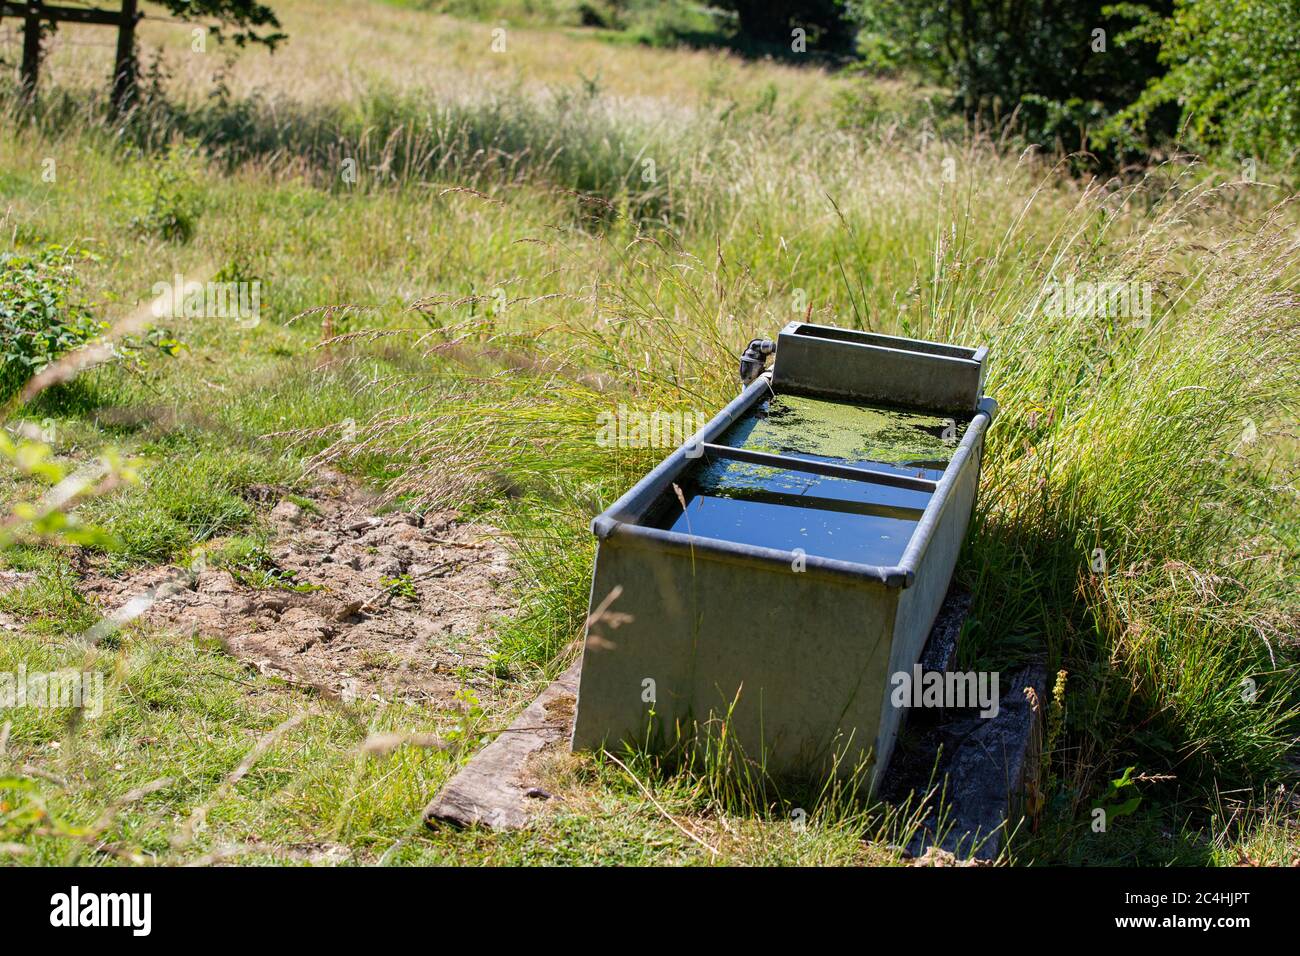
(825, 527)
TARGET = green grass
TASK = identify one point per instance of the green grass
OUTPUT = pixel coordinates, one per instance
(51, 603)
(1113, 435)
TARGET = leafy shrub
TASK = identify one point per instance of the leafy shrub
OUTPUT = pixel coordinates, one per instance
(1234, 70)
(1117, 78)
(42, 314)
(164, 201)
(673, 23)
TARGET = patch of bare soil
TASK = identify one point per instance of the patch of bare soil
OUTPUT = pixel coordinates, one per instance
(395, 605)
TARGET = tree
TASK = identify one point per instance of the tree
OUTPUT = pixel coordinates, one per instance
(242, 21)
(1066, 67)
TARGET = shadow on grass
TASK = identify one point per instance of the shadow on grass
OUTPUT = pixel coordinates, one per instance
(1172, 713)
(565, 139)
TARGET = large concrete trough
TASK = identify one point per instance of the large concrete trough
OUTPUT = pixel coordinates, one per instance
(784, 563)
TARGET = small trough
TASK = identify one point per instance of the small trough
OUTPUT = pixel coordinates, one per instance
(783, 564)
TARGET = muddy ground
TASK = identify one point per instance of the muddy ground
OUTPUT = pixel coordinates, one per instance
(359, 603)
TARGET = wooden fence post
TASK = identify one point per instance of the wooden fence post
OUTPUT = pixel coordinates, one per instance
(31, 49)
(124, 66)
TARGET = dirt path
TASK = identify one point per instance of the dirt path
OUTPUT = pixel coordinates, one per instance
(395, 605)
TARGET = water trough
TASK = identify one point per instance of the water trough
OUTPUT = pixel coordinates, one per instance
(781, 565)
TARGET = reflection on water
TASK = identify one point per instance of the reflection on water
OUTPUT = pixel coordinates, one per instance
(819, 527)
(738, 479)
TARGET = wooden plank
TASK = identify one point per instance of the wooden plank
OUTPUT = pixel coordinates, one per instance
(492, 789)
(980, 773)
(110, 18)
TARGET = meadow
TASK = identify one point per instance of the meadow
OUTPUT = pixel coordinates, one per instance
(466, 255)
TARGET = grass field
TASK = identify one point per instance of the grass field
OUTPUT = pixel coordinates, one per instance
(502, 244)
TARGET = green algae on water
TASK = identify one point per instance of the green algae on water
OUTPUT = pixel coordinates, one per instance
(800, 424)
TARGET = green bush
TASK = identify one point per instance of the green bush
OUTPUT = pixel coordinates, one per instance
(1116, 78)
(1234, 71)
(42, 314)
(164, 200)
